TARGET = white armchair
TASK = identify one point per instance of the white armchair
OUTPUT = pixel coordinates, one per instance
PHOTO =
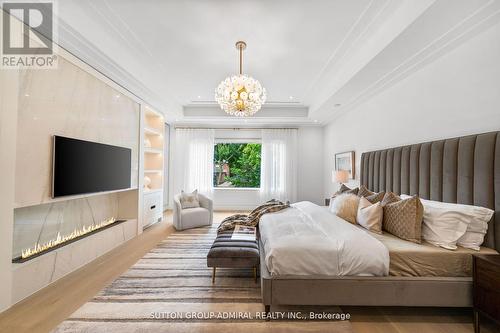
(193, 217)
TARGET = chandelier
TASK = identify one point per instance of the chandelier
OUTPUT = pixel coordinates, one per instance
(240, 95)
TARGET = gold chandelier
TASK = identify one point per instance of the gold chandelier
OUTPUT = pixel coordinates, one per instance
(240, 95)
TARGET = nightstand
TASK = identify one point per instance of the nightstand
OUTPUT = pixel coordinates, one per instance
(486, 284)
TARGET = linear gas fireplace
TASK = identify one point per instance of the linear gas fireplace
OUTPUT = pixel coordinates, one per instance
(43, 228)
(39, 249)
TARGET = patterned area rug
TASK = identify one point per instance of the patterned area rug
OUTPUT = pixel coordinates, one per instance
(170, 290)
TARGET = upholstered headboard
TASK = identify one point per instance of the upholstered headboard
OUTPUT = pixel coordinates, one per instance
(460, 170)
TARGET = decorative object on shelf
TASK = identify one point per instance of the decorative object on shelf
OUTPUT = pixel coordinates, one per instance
(240, 95)
(345, 162)
(147, 182)
(147, 143)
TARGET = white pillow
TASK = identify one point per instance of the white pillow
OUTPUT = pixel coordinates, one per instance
(449, 224)
(189, 200)
(345, 206)
(370, 215)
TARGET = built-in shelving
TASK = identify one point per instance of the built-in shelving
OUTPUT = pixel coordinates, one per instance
(153, 166)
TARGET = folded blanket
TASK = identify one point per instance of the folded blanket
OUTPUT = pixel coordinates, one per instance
(252, 219)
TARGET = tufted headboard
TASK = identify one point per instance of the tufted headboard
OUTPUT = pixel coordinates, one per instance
(460, 170)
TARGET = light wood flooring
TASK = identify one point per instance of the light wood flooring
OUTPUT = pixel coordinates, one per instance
(44, 310)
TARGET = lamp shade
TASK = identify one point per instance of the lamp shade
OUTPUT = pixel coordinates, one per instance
(340, 176)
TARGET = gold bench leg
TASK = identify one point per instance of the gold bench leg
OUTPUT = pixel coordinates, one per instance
(255, 274)
(213, 275)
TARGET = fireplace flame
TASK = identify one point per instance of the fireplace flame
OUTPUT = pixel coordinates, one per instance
(37, 248)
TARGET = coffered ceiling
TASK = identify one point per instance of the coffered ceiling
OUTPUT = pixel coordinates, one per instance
(316, 58)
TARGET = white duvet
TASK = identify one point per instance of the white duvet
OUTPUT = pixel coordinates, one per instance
(307, 239)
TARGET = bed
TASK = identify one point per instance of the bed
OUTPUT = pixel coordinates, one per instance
(458, 170)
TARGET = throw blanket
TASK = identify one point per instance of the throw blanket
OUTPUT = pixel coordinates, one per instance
(252, 219)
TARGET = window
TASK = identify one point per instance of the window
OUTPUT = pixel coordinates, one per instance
(237, 165)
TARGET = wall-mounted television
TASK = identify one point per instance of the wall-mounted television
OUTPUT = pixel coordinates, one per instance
(81, 167)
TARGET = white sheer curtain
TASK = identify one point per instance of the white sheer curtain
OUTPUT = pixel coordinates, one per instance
(278, 178)
(194, 154)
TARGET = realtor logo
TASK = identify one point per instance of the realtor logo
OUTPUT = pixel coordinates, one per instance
(28, 35)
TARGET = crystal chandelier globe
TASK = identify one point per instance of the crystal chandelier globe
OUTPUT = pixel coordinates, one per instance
(240, 95)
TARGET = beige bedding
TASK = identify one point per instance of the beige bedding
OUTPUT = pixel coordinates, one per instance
(410, 259)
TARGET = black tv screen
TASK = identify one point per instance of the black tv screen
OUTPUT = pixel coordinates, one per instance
(82, 167)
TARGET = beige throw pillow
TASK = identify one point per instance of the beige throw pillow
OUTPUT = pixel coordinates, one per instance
(346, 206)
(370, 215)
(403, 219)
(189, 200)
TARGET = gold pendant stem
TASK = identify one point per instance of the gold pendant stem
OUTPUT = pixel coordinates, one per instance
(241, 59)
(240, 46)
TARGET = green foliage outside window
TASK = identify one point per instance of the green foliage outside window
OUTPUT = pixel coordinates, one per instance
(237, 165)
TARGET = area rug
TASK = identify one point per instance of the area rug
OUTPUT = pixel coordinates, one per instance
(170, 290)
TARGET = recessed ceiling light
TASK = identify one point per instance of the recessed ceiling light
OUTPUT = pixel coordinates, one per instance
(26, 95)
(337, 105)
(199, 96)
(117, 96)
(315, 120)
(291, 97)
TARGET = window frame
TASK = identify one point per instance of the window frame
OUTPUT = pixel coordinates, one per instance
(240, 141)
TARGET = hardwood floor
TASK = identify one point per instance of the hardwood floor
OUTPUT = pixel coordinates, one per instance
(414, 320)
(44, 310)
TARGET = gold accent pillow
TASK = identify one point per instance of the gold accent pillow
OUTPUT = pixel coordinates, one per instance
(345, 206)
(403, 219)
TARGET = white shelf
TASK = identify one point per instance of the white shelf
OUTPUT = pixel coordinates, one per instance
(153, 171)
(153, 127)
(152, 131)
(154, 190)
(153, 151)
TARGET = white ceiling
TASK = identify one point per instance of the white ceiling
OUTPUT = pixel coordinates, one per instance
(322, 53)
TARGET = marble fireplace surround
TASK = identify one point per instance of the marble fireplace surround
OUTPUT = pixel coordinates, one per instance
(72, 101)
(39, 272)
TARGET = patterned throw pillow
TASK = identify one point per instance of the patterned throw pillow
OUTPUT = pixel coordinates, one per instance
(390, 197)
(189, 200)
(403, 219)
(364, 191)
(375, 197)
(344, 189)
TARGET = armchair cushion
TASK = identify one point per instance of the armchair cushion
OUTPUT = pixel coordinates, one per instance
(195, 217)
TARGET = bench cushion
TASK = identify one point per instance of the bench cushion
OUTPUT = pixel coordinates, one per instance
(228, 253)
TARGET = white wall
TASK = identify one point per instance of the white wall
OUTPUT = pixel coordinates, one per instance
(458, 94)
(310, 153)
(9, 80)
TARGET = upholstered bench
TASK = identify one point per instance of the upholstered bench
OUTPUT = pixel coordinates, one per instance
(228, 253)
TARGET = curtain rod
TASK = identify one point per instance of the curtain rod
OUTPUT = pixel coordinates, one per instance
(235, 128)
